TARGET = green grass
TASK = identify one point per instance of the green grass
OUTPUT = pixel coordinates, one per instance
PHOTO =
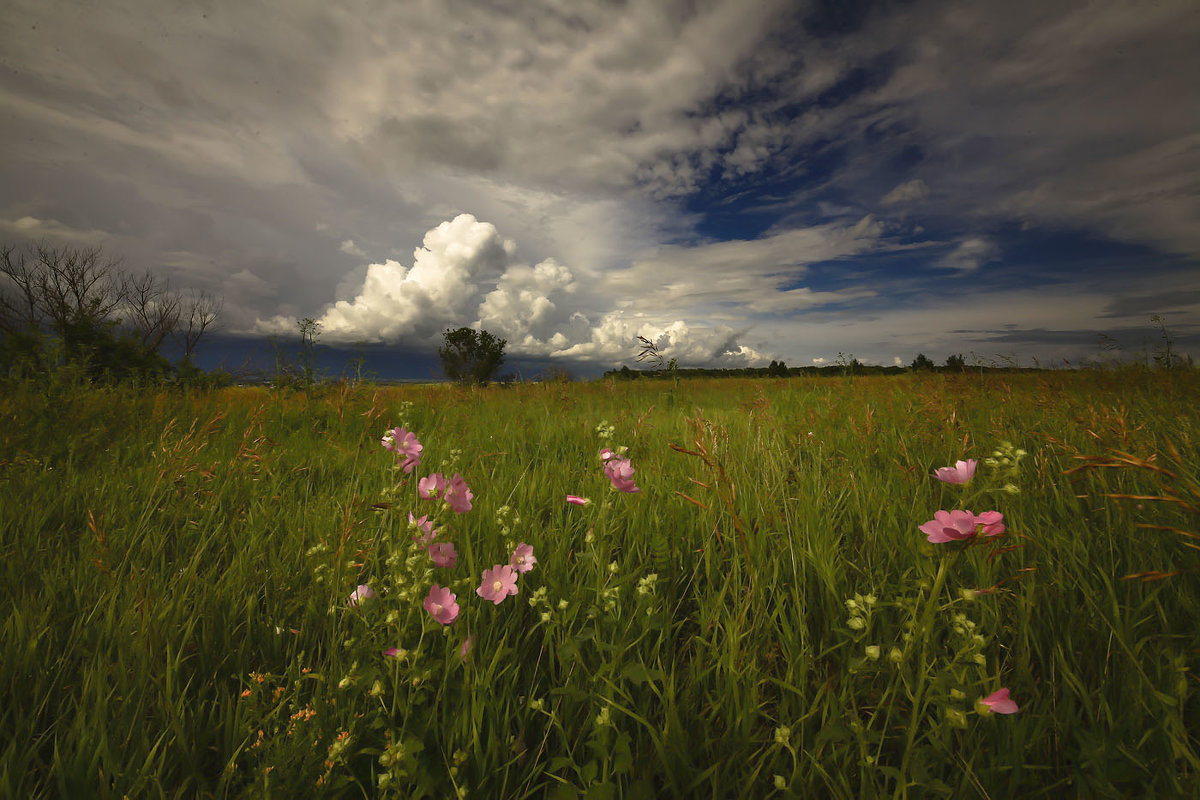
(176, 569)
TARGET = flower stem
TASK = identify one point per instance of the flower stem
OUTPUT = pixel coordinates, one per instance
(918, 698)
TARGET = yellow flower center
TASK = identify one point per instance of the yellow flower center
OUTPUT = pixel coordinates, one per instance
(497, 586)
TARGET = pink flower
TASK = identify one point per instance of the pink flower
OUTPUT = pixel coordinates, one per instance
(431, 486)
(458, 496)
(465, 647)
(423, 524)
(997, 703)
(579, 501)
(992, 522)
(404, 443)
(498, 583)
(949, 526)
(392, 652)
(443, 554)
(441, 605)
(961, 472)
(522, 558)
(361, 594)
(954, 526)
(606, 454)
(620, 472)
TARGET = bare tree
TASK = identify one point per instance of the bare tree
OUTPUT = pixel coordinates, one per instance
(153, 309)
(200, 312)
(61, 289)
(18, 293)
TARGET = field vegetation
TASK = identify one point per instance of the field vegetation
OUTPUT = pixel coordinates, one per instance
(221, 594)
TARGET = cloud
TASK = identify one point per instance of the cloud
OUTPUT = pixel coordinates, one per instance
(970, 254)
(28, 227)
(1070, 114)
(466, 273)
(613, 339)
(440, 288)
(755, 276)
(350, 248)
(906, 192)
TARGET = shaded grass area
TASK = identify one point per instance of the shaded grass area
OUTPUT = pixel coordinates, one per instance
(175, 570)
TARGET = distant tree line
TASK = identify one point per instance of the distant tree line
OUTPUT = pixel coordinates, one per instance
(77, 309)
(846, 365)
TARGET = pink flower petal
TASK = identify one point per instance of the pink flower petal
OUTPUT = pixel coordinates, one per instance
(498, 583)
(360, 595)
(949, 526)
(431, 486)
(960, 473)
(443, 554)
(992, 522)
(522, 558)
(441, 604)
(579, 501)
(999, 703)
(458, 496)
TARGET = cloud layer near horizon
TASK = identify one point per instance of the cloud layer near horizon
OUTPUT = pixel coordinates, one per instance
(465, 270)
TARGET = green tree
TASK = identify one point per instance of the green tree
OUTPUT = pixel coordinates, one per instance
(471, 356)
(310, 331)
(922, 362)
(956, 363)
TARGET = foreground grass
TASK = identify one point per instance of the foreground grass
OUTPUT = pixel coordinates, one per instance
(176, 570)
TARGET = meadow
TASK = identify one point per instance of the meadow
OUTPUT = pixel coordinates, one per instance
(221, 594)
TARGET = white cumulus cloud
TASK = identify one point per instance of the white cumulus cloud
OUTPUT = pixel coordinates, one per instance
(466, 273)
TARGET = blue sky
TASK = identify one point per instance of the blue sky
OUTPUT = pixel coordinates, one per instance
(737, 181)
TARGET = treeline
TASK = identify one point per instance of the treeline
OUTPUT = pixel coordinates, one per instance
(778, 369)
(77, 313)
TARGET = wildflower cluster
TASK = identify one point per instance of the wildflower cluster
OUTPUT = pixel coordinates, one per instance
(616, 465)
(380, 675)
(404, 444)
(961, 525)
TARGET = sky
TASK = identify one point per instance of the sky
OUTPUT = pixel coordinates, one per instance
(737, 181)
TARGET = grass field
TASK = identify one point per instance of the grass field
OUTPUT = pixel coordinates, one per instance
(764, 618)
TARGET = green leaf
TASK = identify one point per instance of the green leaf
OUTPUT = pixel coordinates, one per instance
(601, 791)
(621, 754)
(558, 762)
(636, 672)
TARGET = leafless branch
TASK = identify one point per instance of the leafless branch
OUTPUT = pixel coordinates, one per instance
(200, 312)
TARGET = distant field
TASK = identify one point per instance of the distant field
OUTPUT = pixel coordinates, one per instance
(764, 618)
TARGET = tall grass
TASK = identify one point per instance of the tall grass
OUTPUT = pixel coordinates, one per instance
(176, 569)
